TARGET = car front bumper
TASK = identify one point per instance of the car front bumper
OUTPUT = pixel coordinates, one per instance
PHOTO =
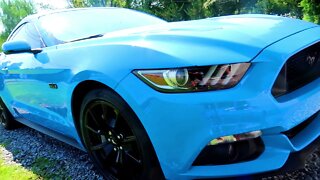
(181, 125)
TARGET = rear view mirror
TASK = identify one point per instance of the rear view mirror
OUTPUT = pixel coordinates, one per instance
(20, 46)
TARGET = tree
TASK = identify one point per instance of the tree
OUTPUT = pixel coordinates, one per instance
(170, 10)
(247, 6)
(176, 10)
(280, 7)
(295, 8)
(100, 3)
(209, 8)
(201, 9)
(13, 11)
(311, 10)
(87, 3)
(227, 7)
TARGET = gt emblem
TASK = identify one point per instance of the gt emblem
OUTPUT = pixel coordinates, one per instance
(311, 60)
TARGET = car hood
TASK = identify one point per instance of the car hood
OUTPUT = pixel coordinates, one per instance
(228, 39)
(238, 37)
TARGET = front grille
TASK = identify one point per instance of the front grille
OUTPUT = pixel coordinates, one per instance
(301, 69)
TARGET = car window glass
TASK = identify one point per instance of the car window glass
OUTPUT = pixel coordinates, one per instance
(76, 24)
(29, 33)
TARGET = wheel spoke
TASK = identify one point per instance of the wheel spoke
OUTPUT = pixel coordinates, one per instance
(100, 146)
(132, 158)
(111, 141)
(113, 120)
(97, 121)
(92, 130)
(104, 111)
(129, 139)
(119, 158)
(93, 118)
(112, 123)
(111, 177)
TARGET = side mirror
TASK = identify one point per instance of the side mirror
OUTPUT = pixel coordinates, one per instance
(12, 47)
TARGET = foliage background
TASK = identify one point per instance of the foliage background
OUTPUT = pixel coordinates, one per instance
(12, 11)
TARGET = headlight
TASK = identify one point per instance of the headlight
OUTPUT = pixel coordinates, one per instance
(194, 78)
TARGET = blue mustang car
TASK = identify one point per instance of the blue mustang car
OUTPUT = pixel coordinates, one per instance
(212, 98)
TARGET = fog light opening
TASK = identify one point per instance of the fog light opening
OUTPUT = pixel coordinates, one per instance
(231, 149)
(235, 138)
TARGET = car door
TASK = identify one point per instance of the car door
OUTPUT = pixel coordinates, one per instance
(31, 83)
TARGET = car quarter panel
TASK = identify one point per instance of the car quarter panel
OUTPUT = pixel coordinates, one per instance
(185, 123)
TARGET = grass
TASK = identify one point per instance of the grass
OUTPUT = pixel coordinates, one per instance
(5, 143)
(43, 167)
(15, 172)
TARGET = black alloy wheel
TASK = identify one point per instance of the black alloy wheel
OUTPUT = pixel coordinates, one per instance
(115, 138)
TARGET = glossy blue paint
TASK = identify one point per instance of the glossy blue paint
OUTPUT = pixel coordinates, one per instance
(15, 46)
(179, 125)
(198, 118)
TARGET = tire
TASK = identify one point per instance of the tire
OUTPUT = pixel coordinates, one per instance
(115, 139)
(6, 118)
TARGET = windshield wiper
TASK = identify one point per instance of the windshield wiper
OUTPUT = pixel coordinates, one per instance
(89, 37)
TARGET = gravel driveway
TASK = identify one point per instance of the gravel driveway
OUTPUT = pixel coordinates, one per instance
(28, 147)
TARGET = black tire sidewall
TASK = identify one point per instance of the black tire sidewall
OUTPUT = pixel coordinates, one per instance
(10, 123)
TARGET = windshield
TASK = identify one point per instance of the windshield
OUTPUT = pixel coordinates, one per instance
(77, 24)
